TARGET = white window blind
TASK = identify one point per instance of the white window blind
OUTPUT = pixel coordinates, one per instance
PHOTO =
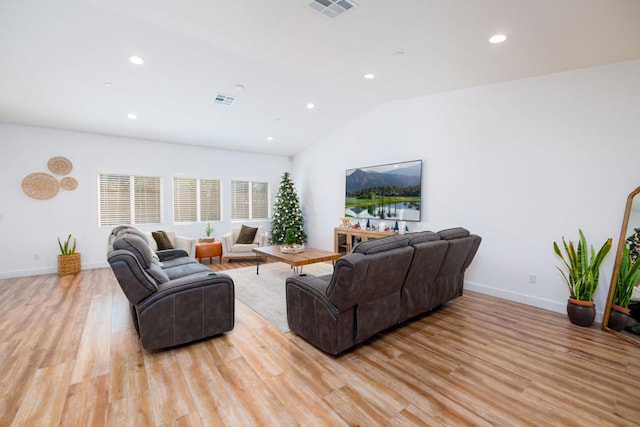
(125, 199)
(210, 200)
(249, 200)
(185, 200)
(196, 200)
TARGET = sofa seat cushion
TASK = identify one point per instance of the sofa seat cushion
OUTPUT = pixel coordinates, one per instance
(175, 262)
(185, 270)
(243, 247)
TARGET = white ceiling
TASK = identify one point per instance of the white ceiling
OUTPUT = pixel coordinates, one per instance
(55, 57)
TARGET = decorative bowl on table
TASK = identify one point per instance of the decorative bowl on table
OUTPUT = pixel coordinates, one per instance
(293, 249)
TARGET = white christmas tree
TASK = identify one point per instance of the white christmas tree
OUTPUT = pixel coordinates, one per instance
(287, 214)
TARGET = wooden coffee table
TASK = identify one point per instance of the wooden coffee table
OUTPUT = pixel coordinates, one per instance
(297, 261)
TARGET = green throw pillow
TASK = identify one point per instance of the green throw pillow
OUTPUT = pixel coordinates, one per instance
(247, 234)
(162, 240)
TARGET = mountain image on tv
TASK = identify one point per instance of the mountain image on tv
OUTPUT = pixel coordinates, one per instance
(386, 192)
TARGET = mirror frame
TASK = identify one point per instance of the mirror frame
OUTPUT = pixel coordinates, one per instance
(616, 269)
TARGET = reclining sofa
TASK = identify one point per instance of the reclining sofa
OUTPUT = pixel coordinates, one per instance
(383, 282)
(173, 298)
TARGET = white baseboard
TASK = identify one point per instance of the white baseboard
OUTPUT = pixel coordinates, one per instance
(46, 270)
(557, 306)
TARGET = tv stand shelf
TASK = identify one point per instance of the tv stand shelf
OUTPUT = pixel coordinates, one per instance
(344, 239)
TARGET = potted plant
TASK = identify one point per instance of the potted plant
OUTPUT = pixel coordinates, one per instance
(628, 277)
(208, 231)
(290, 244)
(582, 266)
(69, 259)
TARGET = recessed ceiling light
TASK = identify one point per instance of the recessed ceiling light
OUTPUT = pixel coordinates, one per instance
(498, 38)
(107, 84)
(399, 53)
(132, 116)
(239, 87)
(369, 76)
(135, 59)
(269, 138)
(310, 105)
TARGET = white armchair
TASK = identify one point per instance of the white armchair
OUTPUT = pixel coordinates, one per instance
(231, 249)
(187, 244)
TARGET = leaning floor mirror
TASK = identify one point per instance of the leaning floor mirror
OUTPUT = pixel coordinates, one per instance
(622, 311)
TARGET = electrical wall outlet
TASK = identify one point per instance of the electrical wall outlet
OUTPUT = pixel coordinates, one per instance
(36, 256)
(532, 278)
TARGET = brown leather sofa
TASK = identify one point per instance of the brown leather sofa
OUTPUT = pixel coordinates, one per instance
(174, 299)
(383, 282)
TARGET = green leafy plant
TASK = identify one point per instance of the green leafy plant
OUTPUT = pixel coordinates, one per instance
(290, 238)
(66, 248)
(628, 276)
(582, 266)
(208, 230)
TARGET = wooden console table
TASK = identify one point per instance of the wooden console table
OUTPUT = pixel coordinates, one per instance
(344, 239)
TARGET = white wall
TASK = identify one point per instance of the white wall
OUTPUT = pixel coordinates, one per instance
(521, 164)
(29, 227)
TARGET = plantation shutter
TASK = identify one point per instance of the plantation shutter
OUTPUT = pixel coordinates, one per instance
(125, 199)
(115, 199)
(259, 200)
(209, 200)
(239, 200)
(185, 200)
(147, 201)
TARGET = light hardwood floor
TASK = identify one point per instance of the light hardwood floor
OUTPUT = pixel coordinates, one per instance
(69, 356)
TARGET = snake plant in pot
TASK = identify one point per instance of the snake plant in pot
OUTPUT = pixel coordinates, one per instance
(581, 274)
(628, 277)
(69, 259)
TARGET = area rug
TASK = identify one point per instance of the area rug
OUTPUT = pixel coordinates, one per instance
(265, 293)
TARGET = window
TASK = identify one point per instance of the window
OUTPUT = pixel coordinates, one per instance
(125, 199)
(249, 200)
(196, 200)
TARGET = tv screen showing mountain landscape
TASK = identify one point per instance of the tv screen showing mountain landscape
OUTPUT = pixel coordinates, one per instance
(385, 192)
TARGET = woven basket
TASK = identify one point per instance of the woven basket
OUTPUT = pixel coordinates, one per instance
(68, 264)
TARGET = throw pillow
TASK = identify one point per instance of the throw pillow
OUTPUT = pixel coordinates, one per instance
(162, 240)
(247, 234)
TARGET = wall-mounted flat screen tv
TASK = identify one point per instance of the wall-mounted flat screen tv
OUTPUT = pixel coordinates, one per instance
(385, 192)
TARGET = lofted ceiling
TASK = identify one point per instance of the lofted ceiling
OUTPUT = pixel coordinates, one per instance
(64, 64)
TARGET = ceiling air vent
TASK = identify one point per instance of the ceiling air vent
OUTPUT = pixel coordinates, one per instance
(224, 99)
(331, 8)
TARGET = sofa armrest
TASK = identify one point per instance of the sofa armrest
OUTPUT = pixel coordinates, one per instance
(187, 309)
(227, 243)
(263, 240)
(187, 244)
(168, 254)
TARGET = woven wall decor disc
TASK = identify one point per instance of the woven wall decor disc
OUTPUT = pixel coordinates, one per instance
(60, 165)
(68, 183)
(40, 186)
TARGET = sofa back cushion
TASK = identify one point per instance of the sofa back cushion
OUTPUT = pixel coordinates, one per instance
(373, 246)
(140, 249)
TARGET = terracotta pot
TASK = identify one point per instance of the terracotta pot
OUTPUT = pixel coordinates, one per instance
(581, 313)
(618, 318)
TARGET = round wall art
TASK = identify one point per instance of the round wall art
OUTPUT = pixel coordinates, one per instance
(60, 165)
(68, 183)
(40, 185)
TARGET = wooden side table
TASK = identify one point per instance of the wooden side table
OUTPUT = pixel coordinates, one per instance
(209, 250)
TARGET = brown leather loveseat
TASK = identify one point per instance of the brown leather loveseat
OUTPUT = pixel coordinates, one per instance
(383, 282)
(173, 298)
